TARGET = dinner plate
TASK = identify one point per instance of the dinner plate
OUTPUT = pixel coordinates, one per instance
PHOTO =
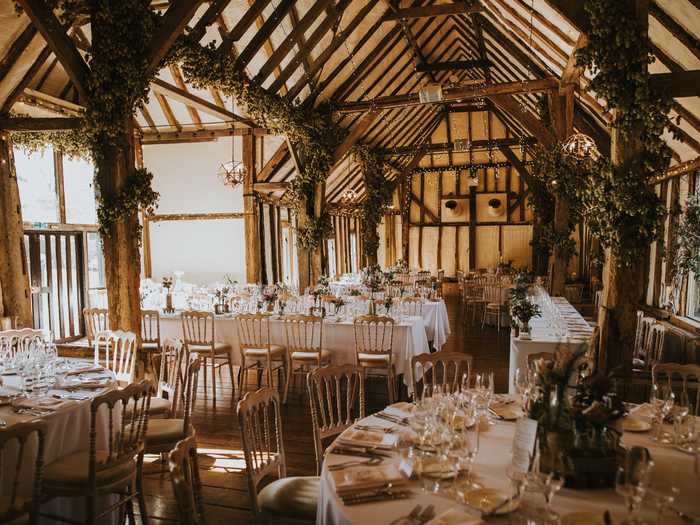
(487, 499)
(633, 424)
(583, 518)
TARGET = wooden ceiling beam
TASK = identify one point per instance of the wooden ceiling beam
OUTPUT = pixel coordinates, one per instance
(479, 144)
(673, 27)
(60, 43)
(292, 39)
(216, 7)
(16, 49)
(29, 75)
(167, 111)
(275, 162)
(185, 135)
(180, 82)
(242, 26)
(456, 8)
(270, 186)
(172, 24)
(455, 65)
(678, 84)
(64, 106)
(355, 133)
(679, 170)
(39, 123)
(450, 94)
(572, 73)
(263, 34)
(511, 106)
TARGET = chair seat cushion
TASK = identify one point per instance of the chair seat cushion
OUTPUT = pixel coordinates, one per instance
(293, 497)
(310, 356)
(276, 350)
(219, 348)
(164, 431)
(73, 469)
(158, 406)
(373, 358)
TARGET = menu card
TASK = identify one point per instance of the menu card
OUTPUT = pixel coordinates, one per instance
(524, 442)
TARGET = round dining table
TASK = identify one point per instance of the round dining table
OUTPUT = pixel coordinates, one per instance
(65, 413)
(672, 467)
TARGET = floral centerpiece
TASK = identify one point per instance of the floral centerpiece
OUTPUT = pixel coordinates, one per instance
(269, 296)
(167, 283)
(401, 266)
(373, 280)
(338, 303)
(576, 411)
(388, 302)
(222, 305)
(521, 312)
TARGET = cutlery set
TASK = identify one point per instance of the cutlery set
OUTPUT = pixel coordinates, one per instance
(417, 516)
(392, 419)
(385, 493)
(347, 464)
(361, 452)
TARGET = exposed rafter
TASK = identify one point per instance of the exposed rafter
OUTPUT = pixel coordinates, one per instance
(456, 8)
(172, 23)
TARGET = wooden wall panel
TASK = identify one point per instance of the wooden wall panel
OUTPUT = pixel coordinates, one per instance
(487, 246)
(516, 244)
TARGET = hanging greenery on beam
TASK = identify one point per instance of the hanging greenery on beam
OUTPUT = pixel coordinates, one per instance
(311, 131)
(619, 204)
(73, 143)
(378, 192)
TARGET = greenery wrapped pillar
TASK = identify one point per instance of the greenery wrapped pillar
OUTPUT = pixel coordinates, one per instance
(14, 281)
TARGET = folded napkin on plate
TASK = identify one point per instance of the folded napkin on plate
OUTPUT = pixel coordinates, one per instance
(42, 403)
(85, 370)
(507, 410)
(359, 479)
(401, 410)
(454, 517)
(74, 384)
(367, 438)
(641, 411)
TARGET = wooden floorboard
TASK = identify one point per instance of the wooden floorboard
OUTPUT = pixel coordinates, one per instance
(219, 441)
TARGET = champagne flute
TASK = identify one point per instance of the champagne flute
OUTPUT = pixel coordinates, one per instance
(680, 412)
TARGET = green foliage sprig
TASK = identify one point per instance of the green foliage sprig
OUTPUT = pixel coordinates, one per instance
(378, 192)
(687, 242)
(312, 131)
(136, 193)
(622, 209)
(73, 142)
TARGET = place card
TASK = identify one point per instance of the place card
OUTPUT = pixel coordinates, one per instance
(524, 442)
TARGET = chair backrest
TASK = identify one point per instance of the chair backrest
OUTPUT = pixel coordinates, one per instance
(96, 321)
(573, 293)
(197, 328)
(689, 376)
(304, 333)
(125, 441)
(150, 326)
(337, 399)
(403, 278)
(187, 485)
(120, 354)
(189, 389)
(19, 341)
(261, 428)
(533, 358)
(473, 290)
(412, 306)
(374, 334)
(493, 293)
(644, 324)
(24, 455)
(441, 368)
(253, 330)
(655, 345)
(170, 376)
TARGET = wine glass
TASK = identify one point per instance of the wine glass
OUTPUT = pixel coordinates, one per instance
(632, 481)
(464, 463)
(664, 495)
(669, 400)
(680, 412)
(553, 481)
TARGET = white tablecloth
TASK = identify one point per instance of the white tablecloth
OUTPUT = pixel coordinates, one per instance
(494, 456)
(338, 337)
(437, 324)
(67, 431)
(542, 340)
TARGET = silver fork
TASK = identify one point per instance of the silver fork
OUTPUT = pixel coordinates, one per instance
(427, 514)
(410, 518)
(347, 464)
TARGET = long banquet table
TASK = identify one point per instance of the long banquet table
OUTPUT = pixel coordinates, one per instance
(494, 456)
(338, 336)
(67, 432)
(542, 339)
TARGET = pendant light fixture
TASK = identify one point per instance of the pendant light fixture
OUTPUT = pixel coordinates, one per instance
(232, 173)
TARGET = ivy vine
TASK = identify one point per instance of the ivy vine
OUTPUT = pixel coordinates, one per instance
(72, 143)
(378, 192)
(136, 193)
(311, 131)
(619, 204)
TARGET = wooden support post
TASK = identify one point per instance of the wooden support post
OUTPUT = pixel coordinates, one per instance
(562, 121)
(317, 266)
(253, 266)
(624, 288)
(15, 300)
(405, 216)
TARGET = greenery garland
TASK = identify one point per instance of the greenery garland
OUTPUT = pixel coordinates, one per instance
(620, 205)
(378, 193)
(137, 193)
(312, 131)
(73, 143)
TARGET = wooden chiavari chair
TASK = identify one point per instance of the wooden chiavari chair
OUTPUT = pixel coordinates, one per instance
(198, 330)
(187, 485)
(170, 379)
(18, 443)
(118, 469)
(493, 303)
(119, 354)
(412, 306)
(163, 434)
(261, 427)
(257, 351)
(441, 368)
(337, 399)
(655, 345)
(689, 377)
(374, 339)
(96, 321)
(150, 336)
(473, 299)
(644, 324)
(20, 340)
(304, 346)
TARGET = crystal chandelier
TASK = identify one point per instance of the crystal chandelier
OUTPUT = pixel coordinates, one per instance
(348, 197)
(232, 173)
(580, 146)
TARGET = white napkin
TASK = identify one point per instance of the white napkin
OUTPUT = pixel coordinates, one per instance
(362, 478)
(402, 409)
(368, 438)
(454, 517)
(42, 403)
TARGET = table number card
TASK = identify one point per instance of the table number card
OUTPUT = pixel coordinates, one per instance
(524, 442)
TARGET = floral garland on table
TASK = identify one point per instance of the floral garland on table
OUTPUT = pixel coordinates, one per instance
(621, 207)
(310, 130)
(378, 192)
